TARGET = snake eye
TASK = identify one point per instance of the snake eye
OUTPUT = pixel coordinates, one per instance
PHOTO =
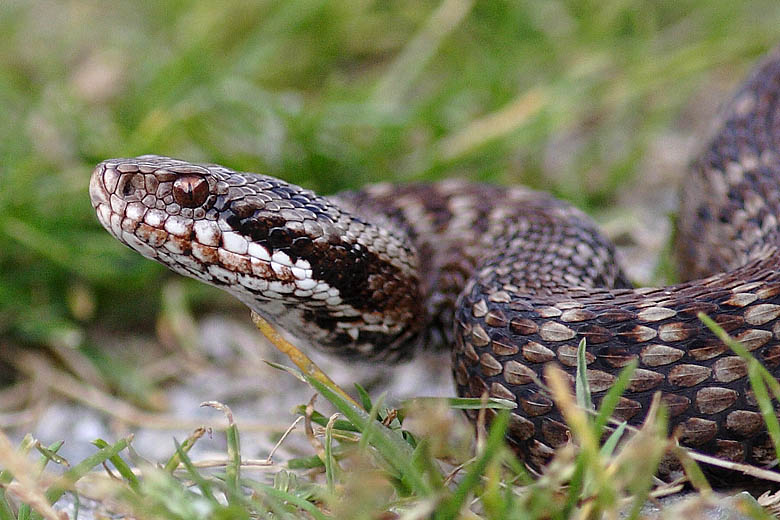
(190, 191)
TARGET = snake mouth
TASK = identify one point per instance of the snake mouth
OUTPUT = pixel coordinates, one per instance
(116, 197)
(164, 209)
(100, 197)
(97, 190)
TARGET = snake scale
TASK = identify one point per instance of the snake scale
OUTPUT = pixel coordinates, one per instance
(508, 278)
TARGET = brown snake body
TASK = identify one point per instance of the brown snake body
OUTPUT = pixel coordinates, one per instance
(509, 278)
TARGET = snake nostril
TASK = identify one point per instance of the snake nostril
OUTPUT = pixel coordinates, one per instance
(127, 188)
(190, 191)
(130, 186)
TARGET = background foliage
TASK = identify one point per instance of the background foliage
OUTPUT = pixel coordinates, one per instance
(562, 95)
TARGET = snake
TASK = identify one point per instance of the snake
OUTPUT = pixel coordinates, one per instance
(507, 278)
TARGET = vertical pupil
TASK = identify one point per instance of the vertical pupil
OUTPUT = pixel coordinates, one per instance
(190, 191)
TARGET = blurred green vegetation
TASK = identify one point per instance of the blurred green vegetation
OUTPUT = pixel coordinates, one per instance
(330, 95)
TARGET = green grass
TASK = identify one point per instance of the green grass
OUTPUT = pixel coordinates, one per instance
(330, 95)
(370, 466)
(565, 96)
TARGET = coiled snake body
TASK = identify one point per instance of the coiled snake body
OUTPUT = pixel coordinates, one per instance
(511, 279)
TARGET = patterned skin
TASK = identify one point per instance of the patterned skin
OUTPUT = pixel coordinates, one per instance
(509, 278)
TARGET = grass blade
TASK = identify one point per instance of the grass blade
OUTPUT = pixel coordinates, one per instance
(759, 376)
(121, 466)
(329, 460)
(612, 397)
(70, 477)
(287, 497)
(450, 508)
(584, 399)
(393, 448)
(764, 402)
(174, 461)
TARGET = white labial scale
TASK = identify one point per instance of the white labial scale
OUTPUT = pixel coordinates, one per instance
(302, 293)
(116, 225)
(173, 246)
(322, 288)
(134, 242)
(260, 268)
(281, 258)
(258, 251)
(207, 232)
(372, 318)
(279, 287)
(104, 214)
(180, 269)
(278, 268)
(118, 205)
(198, 252)
(333, 300)
(302, 269)
(235, 243)
(165, 258)
(376, 327)
(135, 211)
(382, 329)
(128, 225)
(185, 260)
(253, 282)
(155, 217)
(307, 284)
(222, 274)
(178, 226)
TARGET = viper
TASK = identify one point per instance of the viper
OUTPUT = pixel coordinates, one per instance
(507, 278)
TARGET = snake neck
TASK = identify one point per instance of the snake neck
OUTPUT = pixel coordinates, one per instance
(506, 238)
(363, 297)
(729, 203)
(356, 292)
(330, 277)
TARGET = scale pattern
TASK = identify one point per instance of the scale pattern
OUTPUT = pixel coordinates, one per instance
(508, 278)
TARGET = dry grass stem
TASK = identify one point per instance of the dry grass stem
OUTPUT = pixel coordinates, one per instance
(282, 439)
(64, 384)
(301, 360)
(26, 488)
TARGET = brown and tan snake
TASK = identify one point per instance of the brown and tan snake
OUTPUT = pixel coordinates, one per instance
(509, 279)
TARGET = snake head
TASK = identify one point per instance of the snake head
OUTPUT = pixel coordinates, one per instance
(152, 203)
(226, 228)
(278, 248)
